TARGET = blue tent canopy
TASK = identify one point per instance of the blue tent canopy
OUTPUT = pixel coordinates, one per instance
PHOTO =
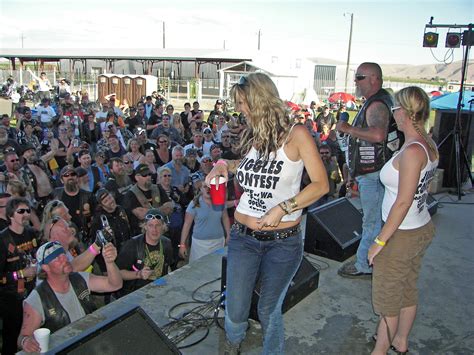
(450, 101)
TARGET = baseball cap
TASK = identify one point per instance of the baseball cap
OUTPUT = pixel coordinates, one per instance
(219, 102)
(48, 252)
(142, 169)
(67, 169)
(80, 171)
(101, 193)
(27, 147)
(207, 130)
(191, 152)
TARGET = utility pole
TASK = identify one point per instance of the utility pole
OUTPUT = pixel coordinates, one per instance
(22, 38)
(224, 44)
(164, 35)
(348, 50)
(259, 34)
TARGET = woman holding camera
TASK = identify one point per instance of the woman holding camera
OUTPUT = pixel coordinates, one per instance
(266, 239)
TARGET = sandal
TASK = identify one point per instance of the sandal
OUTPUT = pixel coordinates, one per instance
(398, 352)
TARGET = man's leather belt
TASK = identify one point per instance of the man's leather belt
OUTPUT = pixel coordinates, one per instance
(266, 235)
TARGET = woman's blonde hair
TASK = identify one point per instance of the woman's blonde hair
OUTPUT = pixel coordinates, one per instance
(416, 103)
(269, 122)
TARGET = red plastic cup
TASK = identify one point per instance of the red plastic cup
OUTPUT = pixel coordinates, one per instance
(218, 192)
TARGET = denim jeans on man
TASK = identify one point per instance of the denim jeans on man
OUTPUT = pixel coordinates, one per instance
(275, 262)
(371, 193)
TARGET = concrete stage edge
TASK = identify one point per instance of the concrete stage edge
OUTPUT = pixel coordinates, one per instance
(338, 317)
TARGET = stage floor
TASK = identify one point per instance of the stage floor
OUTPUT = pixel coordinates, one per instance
(337, 318)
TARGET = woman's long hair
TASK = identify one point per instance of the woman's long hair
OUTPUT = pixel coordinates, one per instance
(269, 122)
(416, 103)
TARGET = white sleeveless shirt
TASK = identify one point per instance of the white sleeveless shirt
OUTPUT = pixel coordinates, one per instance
(418, 214)
(266, 183)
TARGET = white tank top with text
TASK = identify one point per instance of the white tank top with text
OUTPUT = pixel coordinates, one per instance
(266, 183)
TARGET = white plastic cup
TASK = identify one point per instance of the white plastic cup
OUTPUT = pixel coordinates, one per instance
(42, 337)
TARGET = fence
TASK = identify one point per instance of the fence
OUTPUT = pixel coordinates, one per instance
(184, 89)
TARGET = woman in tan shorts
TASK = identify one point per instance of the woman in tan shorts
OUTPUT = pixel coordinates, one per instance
(397, 251)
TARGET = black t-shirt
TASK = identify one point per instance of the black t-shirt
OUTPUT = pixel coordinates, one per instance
(229, 155)
(110, 154)
(134, 122)
(73, 203)
(3, 224)
(154, 119)
(27, 244)
(128, 258)
(184, 119)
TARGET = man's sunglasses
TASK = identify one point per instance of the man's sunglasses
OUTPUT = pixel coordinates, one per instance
(23, 210)
(70, 175)
(145, 175)
(154, 216)
(359, 77)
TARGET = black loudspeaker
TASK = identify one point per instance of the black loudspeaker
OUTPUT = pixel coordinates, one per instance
(444, 125)
(432, 204)
(305, 281)
(333, 230)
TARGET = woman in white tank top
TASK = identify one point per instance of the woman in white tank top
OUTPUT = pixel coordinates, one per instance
(397, 251)
(266, 240)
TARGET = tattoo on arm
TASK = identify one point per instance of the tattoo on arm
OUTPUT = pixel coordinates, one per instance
(378, 116)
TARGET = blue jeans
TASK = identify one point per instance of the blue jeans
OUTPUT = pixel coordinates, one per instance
(371, 193)
(275, 262)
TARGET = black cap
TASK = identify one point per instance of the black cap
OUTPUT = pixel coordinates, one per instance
(101, 193)
(67, 169)
(27, 147)
(80, 171)
(142, 169)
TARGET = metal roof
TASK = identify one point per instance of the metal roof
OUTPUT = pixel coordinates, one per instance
(157, 54)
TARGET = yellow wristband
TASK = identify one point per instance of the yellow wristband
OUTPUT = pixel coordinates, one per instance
(379, 242)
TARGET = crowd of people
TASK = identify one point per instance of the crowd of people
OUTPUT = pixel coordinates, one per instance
(107, 198)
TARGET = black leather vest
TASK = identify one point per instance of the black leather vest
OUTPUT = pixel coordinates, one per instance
(366, 157)
(55, 316)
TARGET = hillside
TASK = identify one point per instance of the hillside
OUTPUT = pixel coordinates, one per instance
(450, 72)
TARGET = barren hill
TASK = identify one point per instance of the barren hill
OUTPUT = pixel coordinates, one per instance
(450, 72)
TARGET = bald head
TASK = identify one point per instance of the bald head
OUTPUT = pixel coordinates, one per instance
(370, 81)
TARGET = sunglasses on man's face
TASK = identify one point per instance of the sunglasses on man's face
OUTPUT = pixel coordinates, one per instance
(359, 77)
(69, 175)
(153, 216)
(23, 210)
(144, 175)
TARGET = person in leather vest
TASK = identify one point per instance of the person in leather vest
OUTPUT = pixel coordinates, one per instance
(367, 154)
(144, 195)
(64, 296)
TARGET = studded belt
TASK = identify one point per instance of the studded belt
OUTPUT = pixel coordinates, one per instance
(264, 236)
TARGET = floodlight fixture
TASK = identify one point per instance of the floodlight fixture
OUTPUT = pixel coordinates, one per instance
(430, 39)
(453, 40)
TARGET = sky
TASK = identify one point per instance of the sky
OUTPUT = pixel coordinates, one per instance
(384, 31)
